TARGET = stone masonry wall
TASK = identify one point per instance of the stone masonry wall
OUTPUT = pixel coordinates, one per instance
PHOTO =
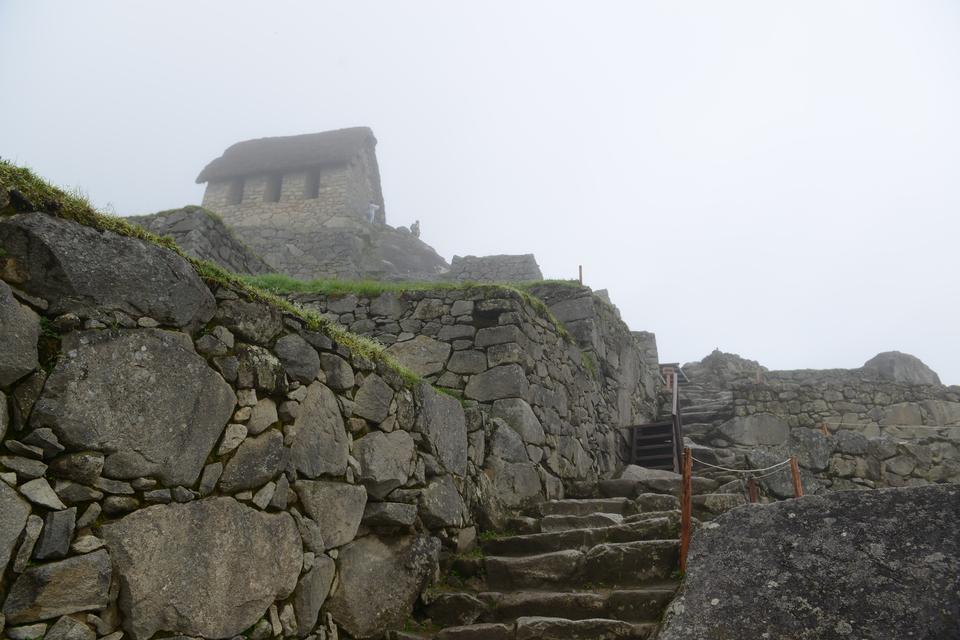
(849, 428)
(178, 458)
(500, 268)
(543, 409)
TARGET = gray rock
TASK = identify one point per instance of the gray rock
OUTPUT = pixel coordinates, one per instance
(490, 336)
(67, 628)
(298, 358)
(441, 504)
(900, 367)
(253, 321)
(311, 593)
(210, 477)
(39, 492)
(518, 414)
(423, 355)
(80, 583)
(13, 518)
(264, 495)
(508, 487)
(506, 443)
(86, 544)
(758, 429)
(336, 507)
(851, 442)
(386, 461)
(257, 461)
(441, 419)
(259, 369)
(380, 581)
(4, 416)
(115, 506)
(19, 331)
(318, 439)
(167, 406)
(389, 514)
(83, 467)
(505, 381)
(55, 260)
(812, 448)
(859, 565)
(24, 467)
(57, 534)
(18, 448)
(263, 416)
(467, 362)
(158, 496)
(30, 536)
(338, 371)
(250, 559)
(89, 516)
(233, 436)
(27, 632)
(46, 440)
(373, 399)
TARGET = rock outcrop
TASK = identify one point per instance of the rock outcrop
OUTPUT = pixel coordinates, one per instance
(879, 564)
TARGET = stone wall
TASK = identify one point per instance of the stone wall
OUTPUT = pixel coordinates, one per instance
(850, 428)
(180, 458)
(500, 268)
(549, 403)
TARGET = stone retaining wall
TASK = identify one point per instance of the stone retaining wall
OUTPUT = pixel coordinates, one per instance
(500, 268)
(544, 405)
(180, 459)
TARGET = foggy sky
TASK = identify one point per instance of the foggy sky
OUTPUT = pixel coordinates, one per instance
(776, 179)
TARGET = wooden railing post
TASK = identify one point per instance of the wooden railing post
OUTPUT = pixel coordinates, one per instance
(685, 507)
(752, 490)
(797, 485)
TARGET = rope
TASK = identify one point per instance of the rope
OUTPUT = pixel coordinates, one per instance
(747, 471)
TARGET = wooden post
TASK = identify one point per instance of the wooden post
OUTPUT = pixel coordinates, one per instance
(797, 485)
(685, 507)
(752, 489)
(581, 275)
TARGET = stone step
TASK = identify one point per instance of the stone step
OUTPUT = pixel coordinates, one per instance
(553, 523)
(621, 506)
(655, 528)
(609, 564)
(632, 605)
(541, 628)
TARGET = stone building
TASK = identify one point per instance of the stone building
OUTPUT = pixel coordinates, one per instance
(308, 181)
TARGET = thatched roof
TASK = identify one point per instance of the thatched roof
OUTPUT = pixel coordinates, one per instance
(287, 153)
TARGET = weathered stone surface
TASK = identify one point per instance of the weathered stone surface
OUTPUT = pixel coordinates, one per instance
(24, 467)
(311, 593)
(262, 416)
(257, 461)
(811, 448)
(53, 259)
(298, 358)
(67, 628)
(84, 467)
(506, 443)
(441, 504)
(507, 487)
(167, 407)
(13, 518)
(441, 419)
(45, 591)
(423, 355)
(900, 367)
(27, 632)
(518, 414)
(373, 399)
(250, 559)
(319, 443)
(57, 533)
(467, 362)
(19, 330)
(40, 492)
(759, 429)
(389, 514)
(336, 507)
(386, 460)
(259, 369)
(380, 581)
(4, 415)
(860, 565)
(338, 371)
(505, 381)
(31, 534)
(253, 321)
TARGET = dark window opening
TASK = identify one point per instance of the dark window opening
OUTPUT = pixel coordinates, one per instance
(272, 191)
(235, 191)
(311, 189)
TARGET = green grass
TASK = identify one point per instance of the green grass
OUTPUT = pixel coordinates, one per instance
(74, 206)
(284, 285)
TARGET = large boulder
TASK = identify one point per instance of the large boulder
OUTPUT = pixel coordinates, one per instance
(380, 581)
(441, 504)
(505, 381)
(442, 421)
(80, 583)
(423, 355)
(336, 507)
(900, 367)
(19, 330)
(507, 488)
(855, 564)
(143, 397)
(319, 444)
(91, 273)
(208, 568)
(13, 518)
(386, 461)
(257, 461)
(373, 399)
(519, 415)
(758, 429)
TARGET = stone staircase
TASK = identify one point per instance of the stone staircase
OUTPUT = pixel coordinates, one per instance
(585, 569)
(704, 406)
